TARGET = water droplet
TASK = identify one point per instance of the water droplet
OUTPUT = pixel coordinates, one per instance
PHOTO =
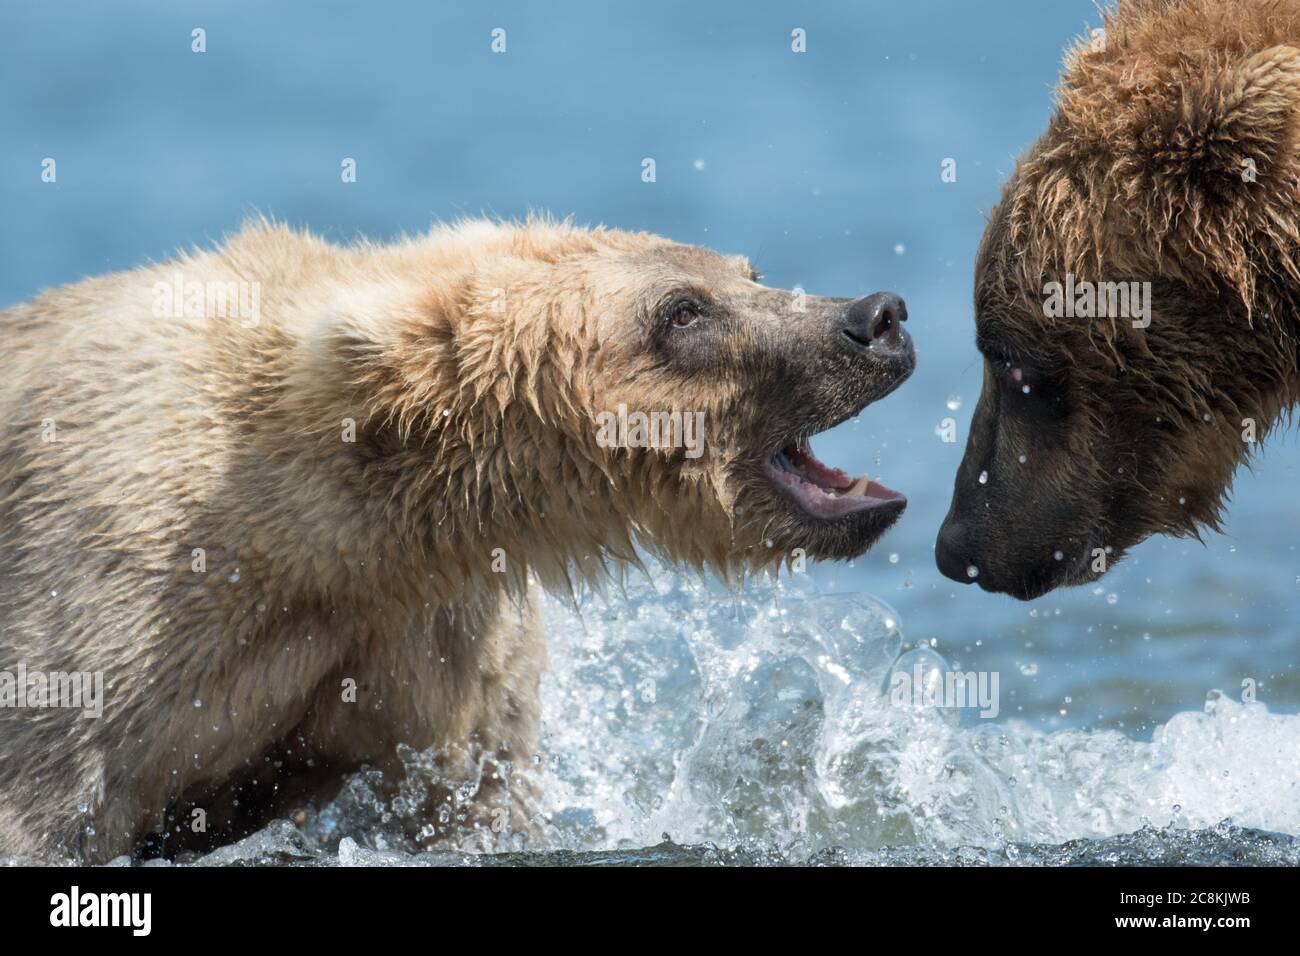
(198, 703)
(984, 477)
(893, 557)
(1112, 598)
(954, 402)
(972, 572)
(1059, 555)
(1023, 458)
(699, 165)
(234, 578)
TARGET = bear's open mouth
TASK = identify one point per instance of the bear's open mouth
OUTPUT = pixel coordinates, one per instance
(826, 492)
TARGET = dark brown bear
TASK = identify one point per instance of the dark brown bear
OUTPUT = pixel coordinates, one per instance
(1136, 296)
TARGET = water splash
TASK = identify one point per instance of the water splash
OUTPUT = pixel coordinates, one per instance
(761, 722)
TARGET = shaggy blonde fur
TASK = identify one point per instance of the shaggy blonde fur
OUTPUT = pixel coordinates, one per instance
(233, 521)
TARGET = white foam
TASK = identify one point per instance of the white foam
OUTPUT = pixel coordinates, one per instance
(763, 720)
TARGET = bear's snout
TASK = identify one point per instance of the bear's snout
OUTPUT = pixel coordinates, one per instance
(951, 551)
(876, 322)
(871, 330)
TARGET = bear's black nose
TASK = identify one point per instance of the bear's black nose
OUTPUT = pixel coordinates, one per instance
(950, 552)
(875, 319)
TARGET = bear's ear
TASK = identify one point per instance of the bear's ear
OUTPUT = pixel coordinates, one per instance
(1186, 160)
(1238, 121)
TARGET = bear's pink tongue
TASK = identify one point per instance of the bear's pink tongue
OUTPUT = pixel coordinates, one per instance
(826, 491)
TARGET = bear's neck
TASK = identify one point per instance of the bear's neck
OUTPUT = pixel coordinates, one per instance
(466, 489)
(482, 504)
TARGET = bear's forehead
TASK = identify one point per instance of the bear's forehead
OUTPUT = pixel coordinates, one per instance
(701, 262)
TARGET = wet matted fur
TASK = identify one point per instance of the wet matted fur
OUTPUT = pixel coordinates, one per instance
(1171, 160)
(305, 537)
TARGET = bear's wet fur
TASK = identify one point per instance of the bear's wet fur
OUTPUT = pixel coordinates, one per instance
(1169, 168)
(290, 498)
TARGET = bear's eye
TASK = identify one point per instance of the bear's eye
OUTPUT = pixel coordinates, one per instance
(682, 309)
(1021, 381)
(1017, 378)
(684, 315)
(1012, 374)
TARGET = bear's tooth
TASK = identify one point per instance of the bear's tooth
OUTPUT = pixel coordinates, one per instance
(860, 486)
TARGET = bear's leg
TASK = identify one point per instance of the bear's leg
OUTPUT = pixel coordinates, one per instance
(48, 778)
(199, 716)
(463, 686)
